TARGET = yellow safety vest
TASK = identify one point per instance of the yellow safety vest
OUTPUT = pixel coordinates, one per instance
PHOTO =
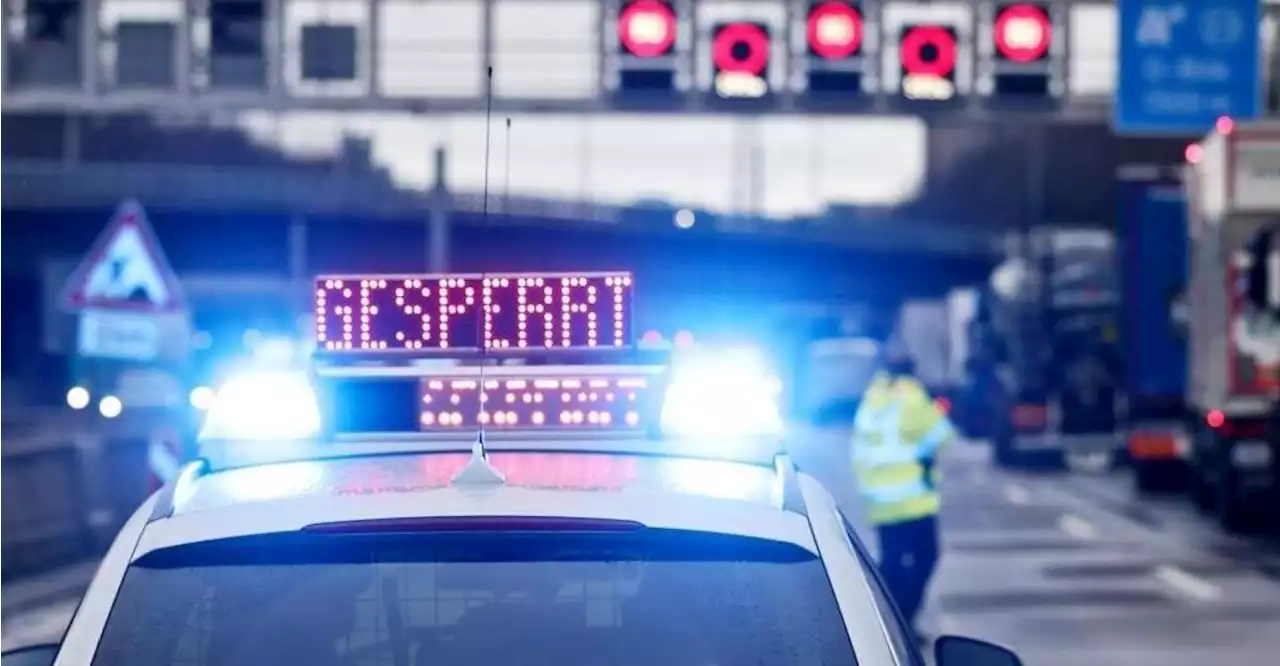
(897, 427)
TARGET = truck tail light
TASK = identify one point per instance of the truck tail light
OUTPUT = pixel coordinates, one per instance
(1246, 428)
(1030, 417)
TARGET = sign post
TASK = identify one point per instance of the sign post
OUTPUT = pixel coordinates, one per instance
(132, 334)
(1186, 63)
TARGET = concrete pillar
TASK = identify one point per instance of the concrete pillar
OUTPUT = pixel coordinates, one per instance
(438, 219)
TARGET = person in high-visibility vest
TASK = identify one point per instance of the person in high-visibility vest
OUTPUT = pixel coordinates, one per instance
(897, 435)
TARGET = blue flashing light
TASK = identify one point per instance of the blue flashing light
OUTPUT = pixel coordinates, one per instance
(724, 393)
(264, 405)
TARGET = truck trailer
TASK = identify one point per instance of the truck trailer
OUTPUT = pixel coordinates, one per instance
(1152, 234)
(1233, 395)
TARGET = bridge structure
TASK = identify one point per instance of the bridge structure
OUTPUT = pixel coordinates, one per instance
(217, 63)
(996, 60)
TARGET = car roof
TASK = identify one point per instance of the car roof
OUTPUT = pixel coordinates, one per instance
(714, 496)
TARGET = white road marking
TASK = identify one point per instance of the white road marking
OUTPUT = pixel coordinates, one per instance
(1077, 527)
(1017, 494)
(1187, 584)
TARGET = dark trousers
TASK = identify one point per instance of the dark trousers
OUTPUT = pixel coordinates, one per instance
(908, 557)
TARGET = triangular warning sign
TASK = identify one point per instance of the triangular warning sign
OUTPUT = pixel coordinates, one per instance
(125, 270)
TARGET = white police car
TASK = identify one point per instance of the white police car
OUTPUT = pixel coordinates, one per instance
(376, 509)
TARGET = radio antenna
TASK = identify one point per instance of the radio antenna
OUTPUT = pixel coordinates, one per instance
(481, 329)
(478, 472)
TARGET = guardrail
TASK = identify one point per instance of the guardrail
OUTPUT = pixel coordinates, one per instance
(70, 481)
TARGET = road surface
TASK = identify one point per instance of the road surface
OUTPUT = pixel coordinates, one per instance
(1068, 569)
(1074, 568)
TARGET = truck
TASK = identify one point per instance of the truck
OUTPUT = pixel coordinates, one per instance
(1232, 183)
(1043, 342)
(1152, 257)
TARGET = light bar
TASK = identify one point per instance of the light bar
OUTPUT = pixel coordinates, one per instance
(447, 313)
(367, 401)
(378, 410)
(564, 402)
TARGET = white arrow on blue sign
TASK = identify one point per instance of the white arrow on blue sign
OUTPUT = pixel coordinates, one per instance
(1186, 63)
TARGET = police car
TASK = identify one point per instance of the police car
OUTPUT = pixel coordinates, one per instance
(481, 469)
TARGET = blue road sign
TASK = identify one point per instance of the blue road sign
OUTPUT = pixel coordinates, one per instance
(1185, 63)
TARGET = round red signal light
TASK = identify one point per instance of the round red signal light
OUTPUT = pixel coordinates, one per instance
(647, 28)
(1023, 33)
(741, 48)
(929, 50)
(835, 30)
(1194, 153)
(1215, 419)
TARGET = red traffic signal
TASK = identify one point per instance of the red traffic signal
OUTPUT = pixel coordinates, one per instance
(741, 48)
(929, 50)
(835, 30)
(647, 28)
(740, 54)
(1022, 32)
(929, 55)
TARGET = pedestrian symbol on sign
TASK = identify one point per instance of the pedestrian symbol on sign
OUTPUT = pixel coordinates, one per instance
(127, 273)
(125, 269)
(1155, 27)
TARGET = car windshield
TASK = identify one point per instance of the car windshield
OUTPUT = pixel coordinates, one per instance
(643, 598)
